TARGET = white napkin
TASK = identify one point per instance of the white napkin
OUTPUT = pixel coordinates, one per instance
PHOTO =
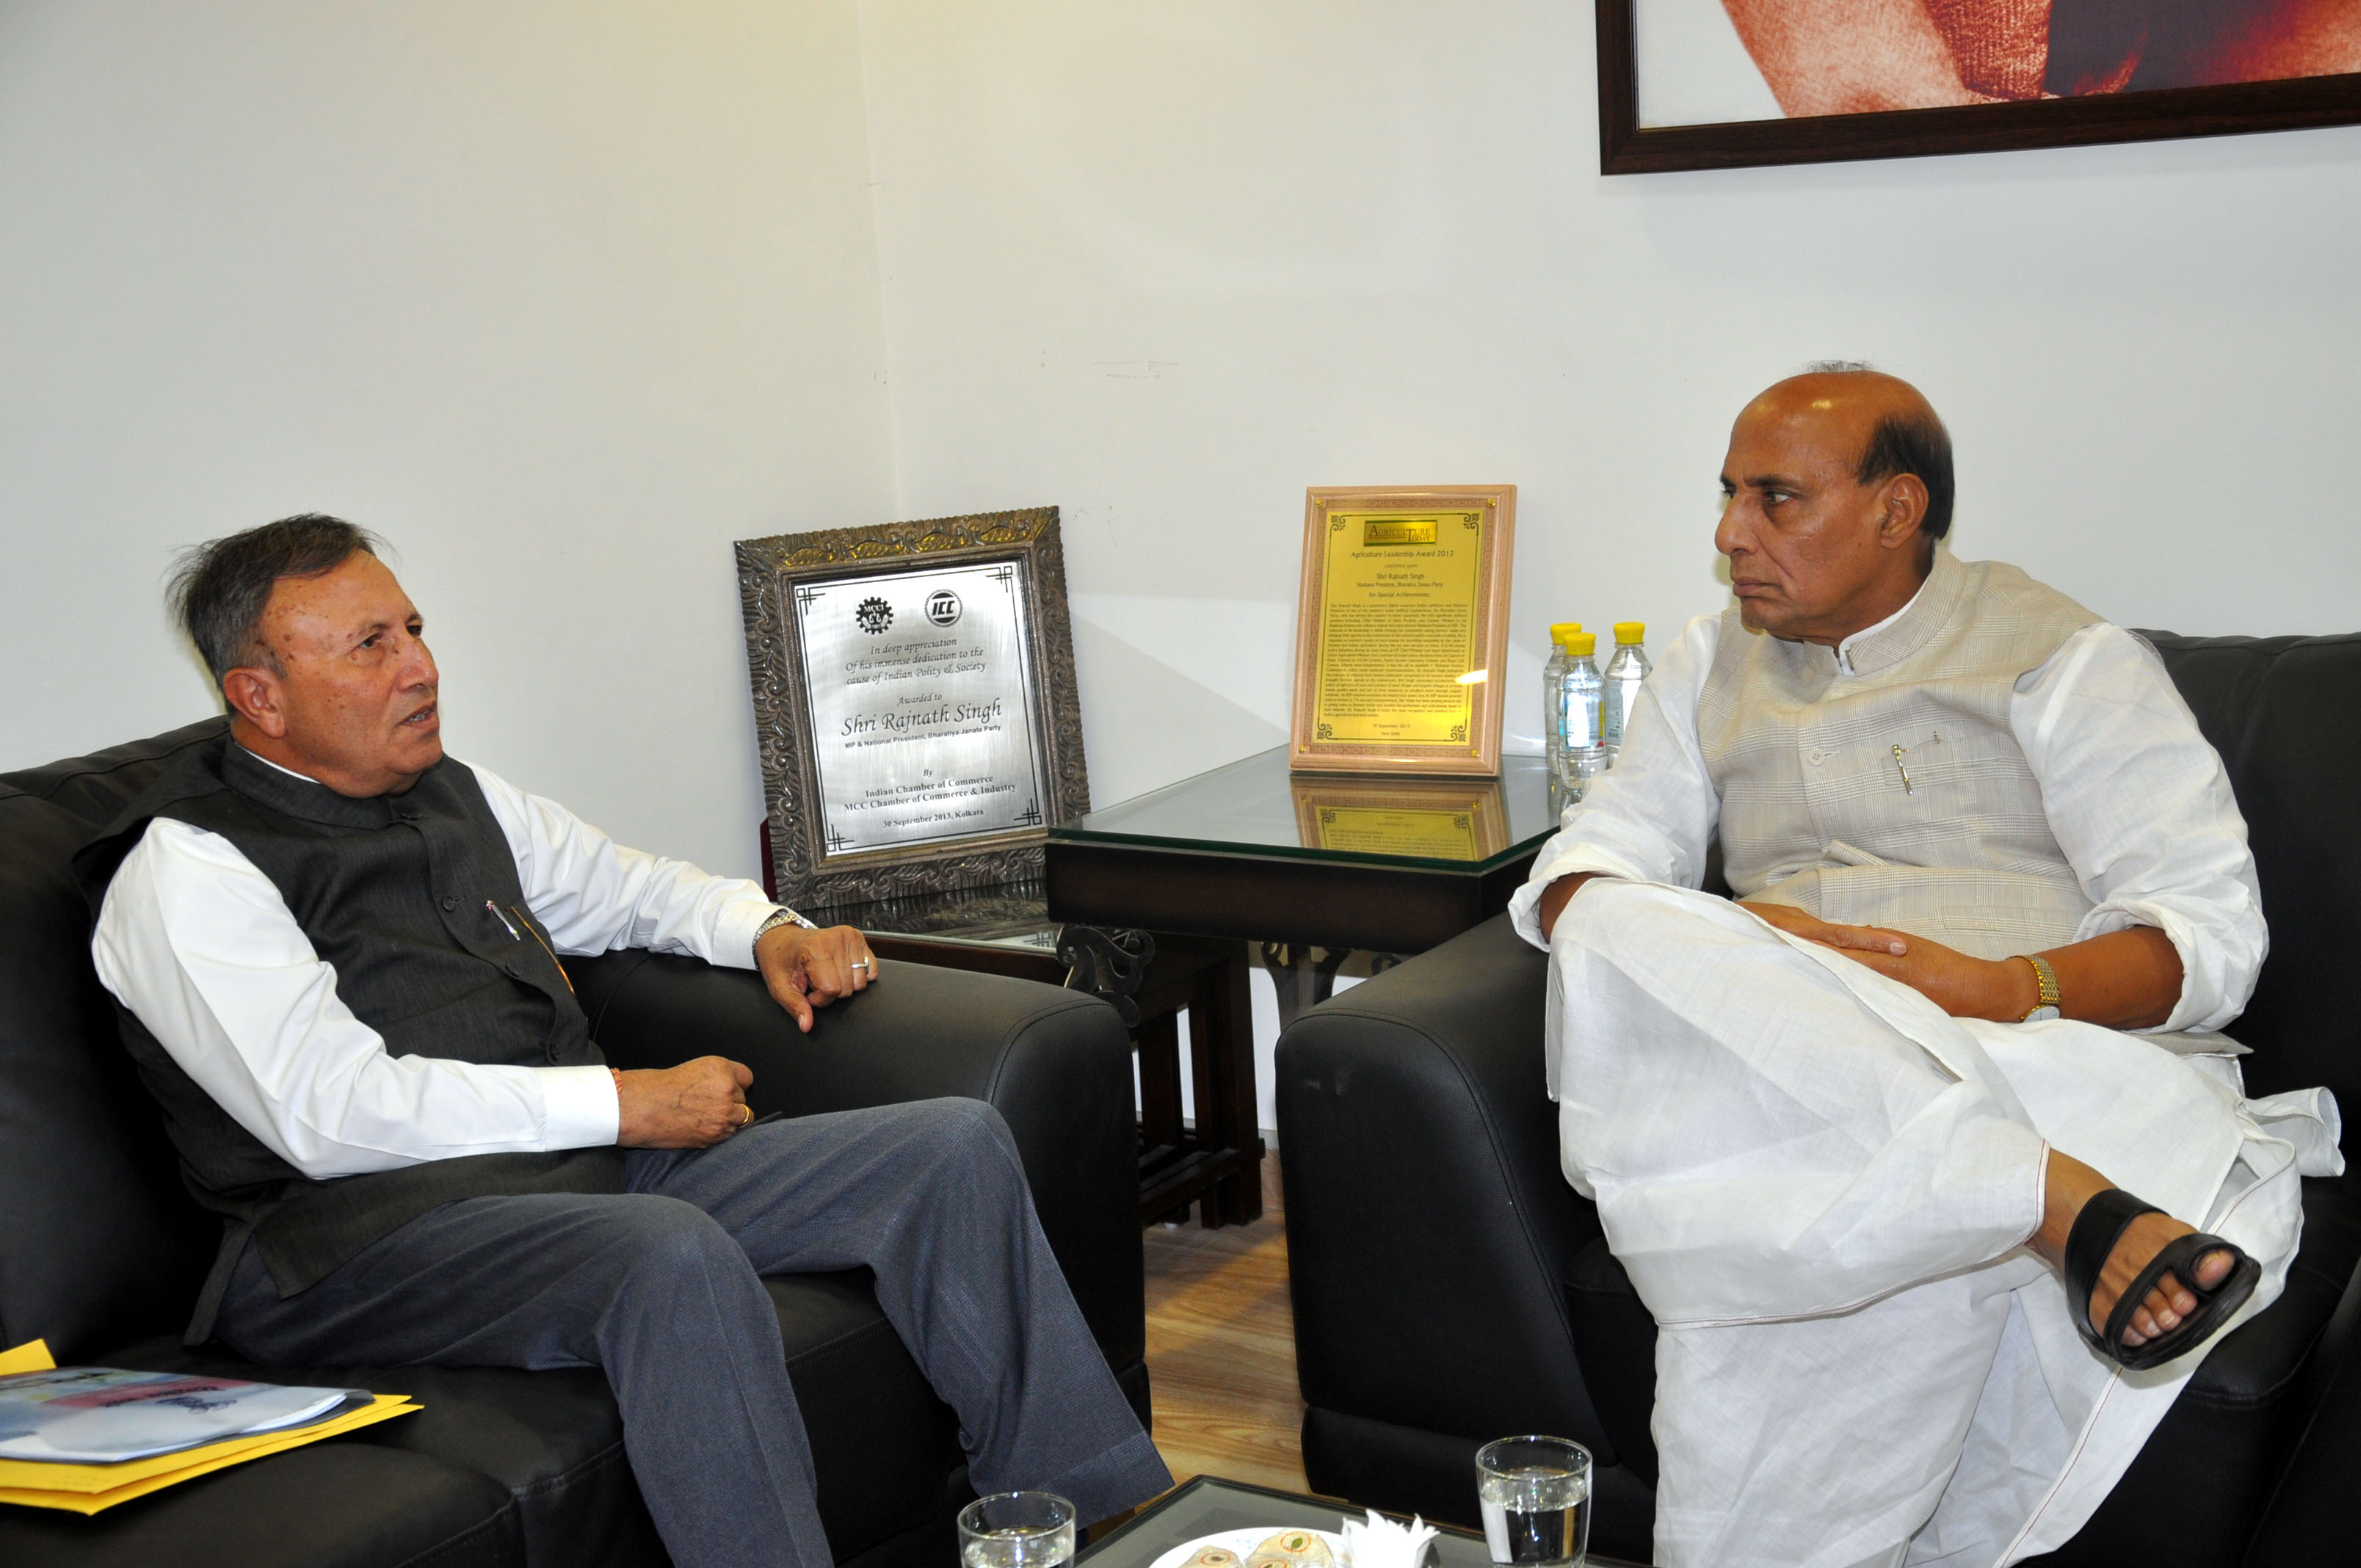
(1381, 1543)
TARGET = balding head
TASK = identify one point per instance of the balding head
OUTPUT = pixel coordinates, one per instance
(1839, 482)
(1900, 431)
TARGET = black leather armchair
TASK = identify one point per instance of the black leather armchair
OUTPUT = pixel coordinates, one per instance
(1451, 1287)
(101, 1253)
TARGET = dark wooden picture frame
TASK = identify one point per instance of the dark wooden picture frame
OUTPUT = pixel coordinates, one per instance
(768, 572)
(2294, 103)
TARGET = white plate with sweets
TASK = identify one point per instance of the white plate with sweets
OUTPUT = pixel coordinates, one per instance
(1261, 1547)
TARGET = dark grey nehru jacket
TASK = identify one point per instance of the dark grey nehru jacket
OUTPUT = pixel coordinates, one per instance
(391, 892)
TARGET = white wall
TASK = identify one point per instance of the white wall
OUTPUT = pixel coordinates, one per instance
(564, 299)
(561, 299)
(1166, 265)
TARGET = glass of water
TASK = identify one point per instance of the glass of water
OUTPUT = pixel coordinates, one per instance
(1535, 1497)
(1018, 1529)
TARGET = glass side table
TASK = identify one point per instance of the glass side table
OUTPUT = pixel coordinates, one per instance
(1250, 851)
(1311, 866)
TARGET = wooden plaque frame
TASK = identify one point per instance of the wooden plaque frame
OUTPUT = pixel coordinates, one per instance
(1479, 755)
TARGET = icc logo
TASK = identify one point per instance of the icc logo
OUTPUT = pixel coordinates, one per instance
(942, 606)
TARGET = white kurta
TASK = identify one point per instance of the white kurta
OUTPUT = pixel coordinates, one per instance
(1820, 1183)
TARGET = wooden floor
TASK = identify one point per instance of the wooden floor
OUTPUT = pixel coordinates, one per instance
(1221, 1350)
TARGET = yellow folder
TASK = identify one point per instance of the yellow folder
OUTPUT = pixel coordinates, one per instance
(31, 1357)
(87, 1488)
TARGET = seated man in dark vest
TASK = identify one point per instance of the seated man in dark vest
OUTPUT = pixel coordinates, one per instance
(335, 952)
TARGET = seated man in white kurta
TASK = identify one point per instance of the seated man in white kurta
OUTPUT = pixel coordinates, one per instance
(1995, 894)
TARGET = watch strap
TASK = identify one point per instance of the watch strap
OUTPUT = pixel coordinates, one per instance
(2045, 1006)
(783, 916)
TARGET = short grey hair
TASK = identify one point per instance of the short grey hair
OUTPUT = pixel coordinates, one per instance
(218, 589)
(1840, 367)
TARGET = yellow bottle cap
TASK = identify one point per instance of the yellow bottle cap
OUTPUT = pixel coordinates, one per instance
(1631, 630)
(1582, 644)
(1564, 629)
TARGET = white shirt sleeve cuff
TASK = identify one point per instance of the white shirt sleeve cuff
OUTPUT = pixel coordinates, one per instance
(2202, 1004)
(579, 1108)
(1525, 904)
(734, 928)
(1524, 912)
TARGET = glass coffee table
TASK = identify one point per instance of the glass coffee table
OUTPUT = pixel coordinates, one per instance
(1209, 1505)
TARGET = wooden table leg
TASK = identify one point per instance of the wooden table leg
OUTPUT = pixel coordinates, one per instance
(1160, 1133)
(1303, 976)
(1217, 1163)
(1221, 1057)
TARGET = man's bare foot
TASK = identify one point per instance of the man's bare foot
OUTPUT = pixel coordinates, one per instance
(2069, 1185)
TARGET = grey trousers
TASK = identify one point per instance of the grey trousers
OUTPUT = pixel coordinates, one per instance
(659, 1286)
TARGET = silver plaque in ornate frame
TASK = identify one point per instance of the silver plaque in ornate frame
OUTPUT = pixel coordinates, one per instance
(915, 704)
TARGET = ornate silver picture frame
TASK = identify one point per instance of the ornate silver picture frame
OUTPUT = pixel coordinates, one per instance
(914, 703)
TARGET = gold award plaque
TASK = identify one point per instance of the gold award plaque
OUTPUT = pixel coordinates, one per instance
(1400, 630)
(1398, 635)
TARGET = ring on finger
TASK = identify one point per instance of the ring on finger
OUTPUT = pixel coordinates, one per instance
(748, 1119)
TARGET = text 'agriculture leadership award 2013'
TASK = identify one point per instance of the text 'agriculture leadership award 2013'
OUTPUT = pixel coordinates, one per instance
(922, 721)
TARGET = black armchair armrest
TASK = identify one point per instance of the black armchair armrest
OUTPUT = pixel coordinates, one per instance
(1422, 1191)
(2314, 1513)
(1055, 1064)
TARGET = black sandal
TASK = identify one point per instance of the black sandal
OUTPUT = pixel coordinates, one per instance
(2100, 1224)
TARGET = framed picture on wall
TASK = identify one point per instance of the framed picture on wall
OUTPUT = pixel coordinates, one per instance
(915, 704)
(1734, 83)
(1402, 628)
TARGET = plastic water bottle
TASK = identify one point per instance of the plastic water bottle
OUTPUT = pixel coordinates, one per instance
(1624, 674)
(1580, 696)
(1553, 714)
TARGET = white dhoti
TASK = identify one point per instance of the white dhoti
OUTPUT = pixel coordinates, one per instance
(1822, 1184)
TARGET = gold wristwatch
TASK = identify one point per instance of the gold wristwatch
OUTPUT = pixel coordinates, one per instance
(2047, 1007)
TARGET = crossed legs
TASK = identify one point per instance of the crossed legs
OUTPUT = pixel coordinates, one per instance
(1821, 1186)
